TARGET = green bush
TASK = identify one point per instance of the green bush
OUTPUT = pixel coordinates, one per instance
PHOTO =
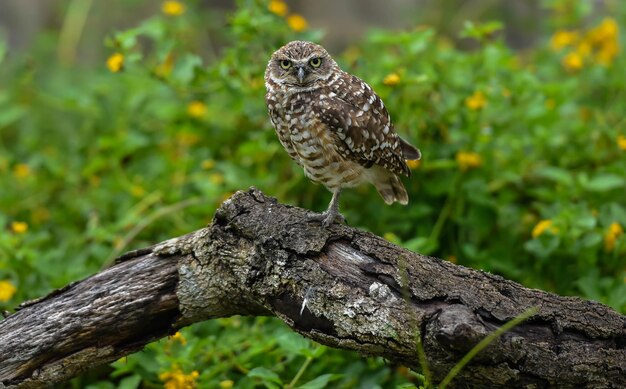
(523, 171)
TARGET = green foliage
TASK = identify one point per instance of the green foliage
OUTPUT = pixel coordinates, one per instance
(95, 162)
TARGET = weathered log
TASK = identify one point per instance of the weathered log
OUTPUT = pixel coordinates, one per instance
(259, 257)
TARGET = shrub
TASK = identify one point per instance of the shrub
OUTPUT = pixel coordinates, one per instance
(522, 174)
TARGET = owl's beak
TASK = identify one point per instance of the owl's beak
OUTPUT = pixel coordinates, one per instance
(300, 73)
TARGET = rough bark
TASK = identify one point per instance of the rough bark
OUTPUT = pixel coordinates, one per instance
(259, 257)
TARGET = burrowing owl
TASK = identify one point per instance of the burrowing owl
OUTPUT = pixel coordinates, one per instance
(334, 125)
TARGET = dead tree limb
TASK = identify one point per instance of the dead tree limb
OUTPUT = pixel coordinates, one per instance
(259, 257)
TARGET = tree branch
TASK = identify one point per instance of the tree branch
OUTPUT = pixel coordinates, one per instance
(259, 257)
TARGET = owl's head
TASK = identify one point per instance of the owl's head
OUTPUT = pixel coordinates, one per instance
(300, 64)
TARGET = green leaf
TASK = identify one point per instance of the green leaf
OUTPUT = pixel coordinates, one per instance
(422, 245)
(9, 115)
(295, 343)
(589, 285)
(543, 245)
(556, 174)
(481, 31)
(101, 385)
(319, 382)
(153, 28)
(604, 183)
(319, 351)
(266, 375)
(131, 382)
(591, 240)
(185, 69)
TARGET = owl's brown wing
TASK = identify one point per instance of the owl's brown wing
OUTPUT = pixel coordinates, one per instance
(361, 125)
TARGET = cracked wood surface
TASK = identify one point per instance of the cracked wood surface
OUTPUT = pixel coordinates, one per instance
(259, 257)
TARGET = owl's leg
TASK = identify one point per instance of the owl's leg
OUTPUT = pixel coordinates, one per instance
(332, 214)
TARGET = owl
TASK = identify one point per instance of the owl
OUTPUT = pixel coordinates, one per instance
(334, 125)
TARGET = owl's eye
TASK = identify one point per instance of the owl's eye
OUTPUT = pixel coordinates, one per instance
(285, 64)
(315, 62)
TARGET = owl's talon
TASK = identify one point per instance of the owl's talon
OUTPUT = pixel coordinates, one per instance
(327, 218)
(332, 214)
(330, 219)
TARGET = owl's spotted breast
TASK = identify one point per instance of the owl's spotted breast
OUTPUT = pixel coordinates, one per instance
(310, 141)
(334, 125)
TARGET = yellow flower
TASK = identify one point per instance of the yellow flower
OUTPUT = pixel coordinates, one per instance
(352, 54)
(208, 164)
(614, 231)
(413, 163)
(40, 214)
(217, 178)
(118, 242)
(227, 384)
(115, 62)
(607, 53)
(452, 258)
(476, 101)
(176, 379)
(297, 22)
(583, 49)
(165, 68)
(562, 39)
(468, 160)
(178, 178)
(604, 38)
(186, 138)
(600, 43)
(7, 290)
(95, 181)
(196, 109)
(585, 113)
(621, 142)
(178, 337)
(278, 7)
(137, 191)
(543, 226)
(391, 79)
(607, 30)
(21, 170)
(19, 227)
(173, 8)
(257, 82)
(572, 61)
(391, 237)
(609, 27)
(225, 196)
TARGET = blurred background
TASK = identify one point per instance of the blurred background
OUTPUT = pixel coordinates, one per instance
(344, 22)
(125, 123)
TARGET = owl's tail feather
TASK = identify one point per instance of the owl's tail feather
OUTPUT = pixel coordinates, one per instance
(409, 151)
(391, 189)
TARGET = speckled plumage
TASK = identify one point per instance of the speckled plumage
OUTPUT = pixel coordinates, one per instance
(334, 125)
